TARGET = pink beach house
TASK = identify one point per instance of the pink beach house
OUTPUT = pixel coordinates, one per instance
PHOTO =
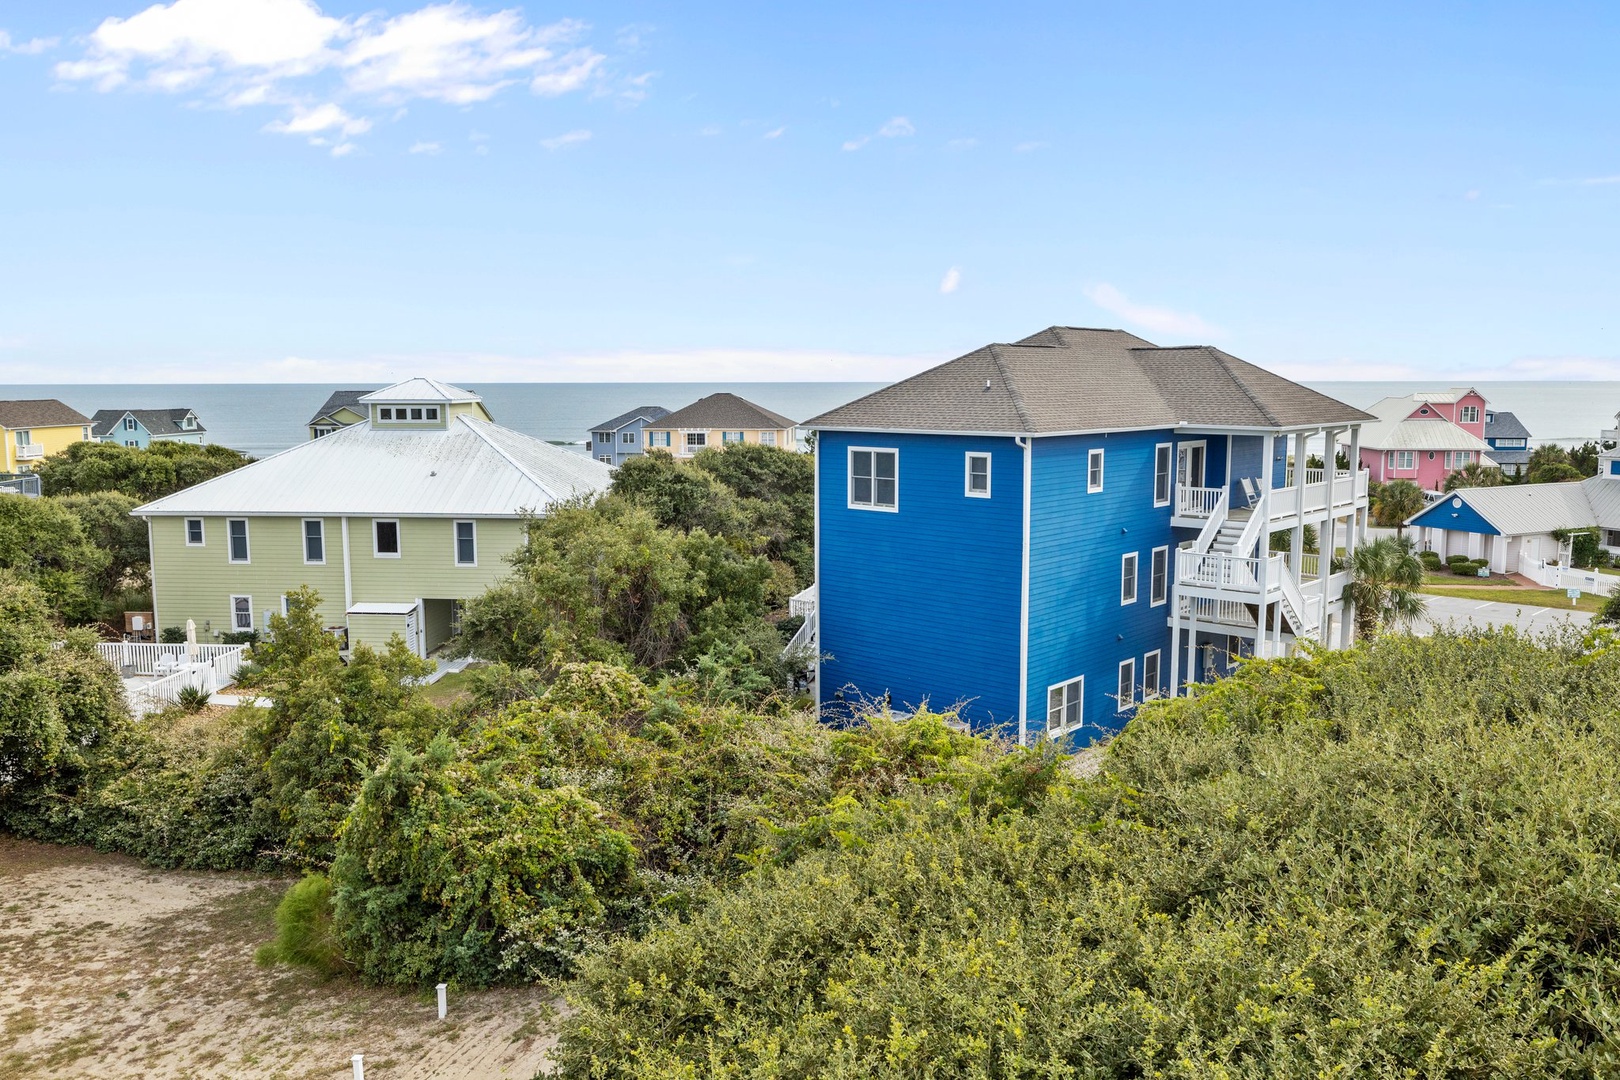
(1425, 437)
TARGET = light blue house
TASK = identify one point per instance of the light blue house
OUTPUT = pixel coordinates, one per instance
(612, 441)
(1046, 532)
(141, 428)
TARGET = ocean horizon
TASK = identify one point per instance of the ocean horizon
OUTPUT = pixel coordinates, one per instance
(265, 418)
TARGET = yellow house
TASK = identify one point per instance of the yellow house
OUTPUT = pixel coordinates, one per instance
(31, 431)
(717, 420)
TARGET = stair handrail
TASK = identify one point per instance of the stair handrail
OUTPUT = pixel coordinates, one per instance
(1300, 612)
(1212, 527)
(1251, 528)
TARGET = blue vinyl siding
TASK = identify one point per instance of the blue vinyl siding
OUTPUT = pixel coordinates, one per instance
(1077, 625)
(1464, 518)
(923, 604)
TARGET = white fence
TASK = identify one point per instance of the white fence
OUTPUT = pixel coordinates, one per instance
(154, 675)
(1554, 576)
(143, 658)
(803, 603)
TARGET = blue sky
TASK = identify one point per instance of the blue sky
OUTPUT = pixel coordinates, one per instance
(227, 190)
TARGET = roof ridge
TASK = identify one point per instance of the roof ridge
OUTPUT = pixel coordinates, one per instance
(1012, 389)
(472, 426)
(1221, 358)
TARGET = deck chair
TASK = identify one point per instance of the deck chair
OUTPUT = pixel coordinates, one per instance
(1251, 491)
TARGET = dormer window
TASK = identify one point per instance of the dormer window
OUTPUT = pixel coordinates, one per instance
(408, 413)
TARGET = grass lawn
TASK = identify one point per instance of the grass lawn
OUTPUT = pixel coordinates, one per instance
(1523, 597)
(451, 688)
(1454, 581)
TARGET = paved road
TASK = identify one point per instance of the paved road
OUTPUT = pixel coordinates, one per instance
(1444, 609)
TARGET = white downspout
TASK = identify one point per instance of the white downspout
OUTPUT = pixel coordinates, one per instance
(1027, 444)
(348, 579)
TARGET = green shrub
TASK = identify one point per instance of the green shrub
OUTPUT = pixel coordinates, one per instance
(1609, 613)
(192, 698)
(1387, 862)
(449, 871)
(172, 635)
(234, 637)
(1467, 567)
(304, 934)
(1430, 559)
(1453, 560)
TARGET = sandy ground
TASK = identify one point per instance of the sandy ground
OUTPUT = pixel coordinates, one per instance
(110, 969)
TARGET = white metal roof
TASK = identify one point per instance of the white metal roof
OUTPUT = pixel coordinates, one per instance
(420, 390)
(1393, 431)
(471, 468)
(1521, 509)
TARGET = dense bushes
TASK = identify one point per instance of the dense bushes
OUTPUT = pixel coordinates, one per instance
(1399, 860)
(161, 469)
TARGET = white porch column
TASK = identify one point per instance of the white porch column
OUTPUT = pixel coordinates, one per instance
(1327, 534)
(1263, 508)
(1297, 547)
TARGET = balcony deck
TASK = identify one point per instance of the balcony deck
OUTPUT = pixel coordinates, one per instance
(1194, 505)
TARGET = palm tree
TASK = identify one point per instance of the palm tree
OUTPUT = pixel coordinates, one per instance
(1474, 474)
(1397, 501)
(1385, 576)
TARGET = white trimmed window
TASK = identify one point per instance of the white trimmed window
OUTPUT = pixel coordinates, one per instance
(1470, 414)
(236, 532)
(1159, 576)
(433, 413)
(466, 543)
(977, 480)
(241, 613)
(658, 438)
(696, 440)
(1150, 675)
(606, 459)
(129, 423)
(194, 532)
(630, 438)
(1234, 650)
(767, 438)
(1094, 471)
(1163, 462)
(1063, 706)
(731, 436)
(1404, 460)
(1127, 578)
(1127, 683)
(314, 542)
(385, 539)
(874, 478)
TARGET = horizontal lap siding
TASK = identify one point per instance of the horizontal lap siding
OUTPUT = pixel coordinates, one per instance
(198, 582)
(1464, 518)
(923, 604)
(426, 565)
(1077, 625)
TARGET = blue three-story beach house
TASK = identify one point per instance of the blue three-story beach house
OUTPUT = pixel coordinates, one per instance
(1047, 532)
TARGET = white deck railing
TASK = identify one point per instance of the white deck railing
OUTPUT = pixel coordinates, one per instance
(803, 603)
(1199, 502)
(147, 658)
(1348, 489)
(30, 451)
(1218, 571)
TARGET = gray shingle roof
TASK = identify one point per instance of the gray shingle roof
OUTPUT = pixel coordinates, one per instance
(649, 412)
(341, 399)
(1081, 379)
(724, 411)
(1504, 425)
(155, 421)
(39, 412)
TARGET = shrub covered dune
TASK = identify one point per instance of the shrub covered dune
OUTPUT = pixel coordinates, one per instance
(1394, 861)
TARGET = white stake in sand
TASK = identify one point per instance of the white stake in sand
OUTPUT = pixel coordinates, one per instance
(442, 1005)
(359, 1066)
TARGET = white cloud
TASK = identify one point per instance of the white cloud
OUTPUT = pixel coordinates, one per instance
(896, 128)
(425, 148)
(241, 53)
(326, 117)
(343, 149)
(31, 47)
(566, 139)
(1155, 319)
(776, 133)
(1600, 180)
(952, 279)
(709, 131)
